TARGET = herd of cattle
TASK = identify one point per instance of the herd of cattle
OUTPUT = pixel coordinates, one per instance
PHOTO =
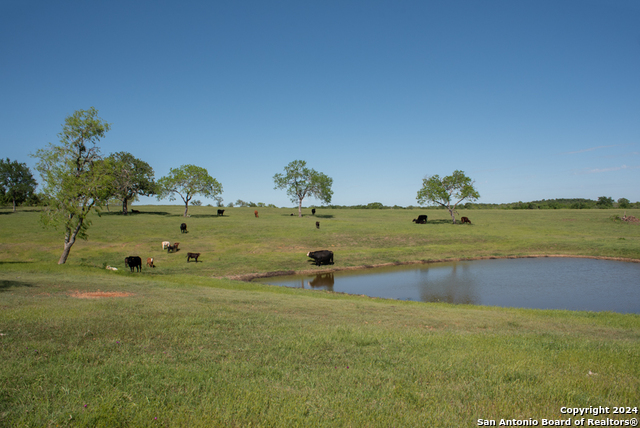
(318, 257)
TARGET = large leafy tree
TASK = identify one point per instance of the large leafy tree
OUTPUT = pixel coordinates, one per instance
(16, 182)
(132, 178)
(76, 178)
(448, 191)
(624, 203)
(188, 181)
(605, 202)
(300, 182)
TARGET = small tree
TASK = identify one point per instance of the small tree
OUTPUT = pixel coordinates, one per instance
(445, 191)
(605, 202)
(300, 182)
(16, 182)
(132, 178)
(188, 181)
(76, 178)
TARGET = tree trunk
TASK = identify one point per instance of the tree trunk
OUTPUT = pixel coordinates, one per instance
(14, 205)
(453, 216)
(186, 208)
(125, 208)
(70, 239)
(300, 208)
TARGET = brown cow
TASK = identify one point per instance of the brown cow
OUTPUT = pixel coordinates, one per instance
(150, 262)
(193, 256)
(465, 220)
(317, 225)
(256, 213)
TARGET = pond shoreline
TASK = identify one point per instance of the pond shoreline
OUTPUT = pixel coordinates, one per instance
(251, 276)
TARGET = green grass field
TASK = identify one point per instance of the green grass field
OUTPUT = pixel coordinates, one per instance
(180, 345)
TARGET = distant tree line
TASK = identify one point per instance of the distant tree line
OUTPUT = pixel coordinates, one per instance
(603, 202)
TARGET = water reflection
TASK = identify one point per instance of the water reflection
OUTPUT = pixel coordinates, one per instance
(323, 281)
(543, 283)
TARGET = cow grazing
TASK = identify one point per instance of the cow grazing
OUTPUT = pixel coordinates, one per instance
(465, 220)
(313, 211)
(165, 244)
(317, 225)
(150, 262)
(173, 248)
(133, 262)
(220, 212)
(183, 228)
(193, 256)
(422, 219)
(256, 213)
(321, 257)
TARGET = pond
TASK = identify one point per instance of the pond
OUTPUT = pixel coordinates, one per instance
(540, 283)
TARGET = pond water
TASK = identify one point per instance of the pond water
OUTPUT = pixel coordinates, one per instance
(541, 283)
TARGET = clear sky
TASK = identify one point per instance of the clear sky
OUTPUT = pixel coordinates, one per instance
(533, 99)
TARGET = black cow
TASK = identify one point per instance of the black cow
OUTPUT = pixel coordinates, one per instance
(465, 220)
(133, 262)
(317, 225)
(183, 228)
(321, 257)
(422, 219)
(193, 256)
(313, 211)
(220, 212)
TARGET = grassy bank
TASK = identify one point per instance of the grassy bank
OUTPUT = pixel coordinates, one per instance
(173, 347)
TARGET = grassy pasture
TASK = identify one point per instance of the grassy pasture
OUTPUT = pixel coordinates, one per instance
(238, 243)
(179, 348)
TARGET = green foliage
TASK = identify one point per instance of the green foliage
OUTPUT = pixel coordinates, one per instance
(624, 203)
(132, 178)
(16, 182)
(76, 177)
(446, 191)
(604, 202)
(300, 182)
(188, 181)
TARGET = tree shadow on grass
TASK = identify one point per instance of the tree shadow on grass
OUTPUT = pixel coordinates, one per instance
(119, 213)
(309, 215)
(5, 284)
(437, 222)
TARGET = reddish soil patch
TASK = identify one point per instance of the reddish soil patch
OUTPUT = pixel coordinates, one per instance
(100, 294)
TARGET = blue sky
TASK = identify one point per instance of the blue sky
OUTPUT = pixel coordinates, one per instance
(532, 99)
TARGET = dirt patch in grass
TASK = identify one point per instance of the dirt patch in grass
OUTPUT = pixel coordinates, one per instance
(100, 294)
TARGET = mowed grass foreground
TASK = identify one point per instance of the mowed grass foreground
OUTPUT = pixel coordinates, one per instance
(173, 347)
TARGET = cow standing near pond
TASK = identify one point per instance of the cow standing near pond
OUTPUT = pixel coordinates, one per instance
(321, 257)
